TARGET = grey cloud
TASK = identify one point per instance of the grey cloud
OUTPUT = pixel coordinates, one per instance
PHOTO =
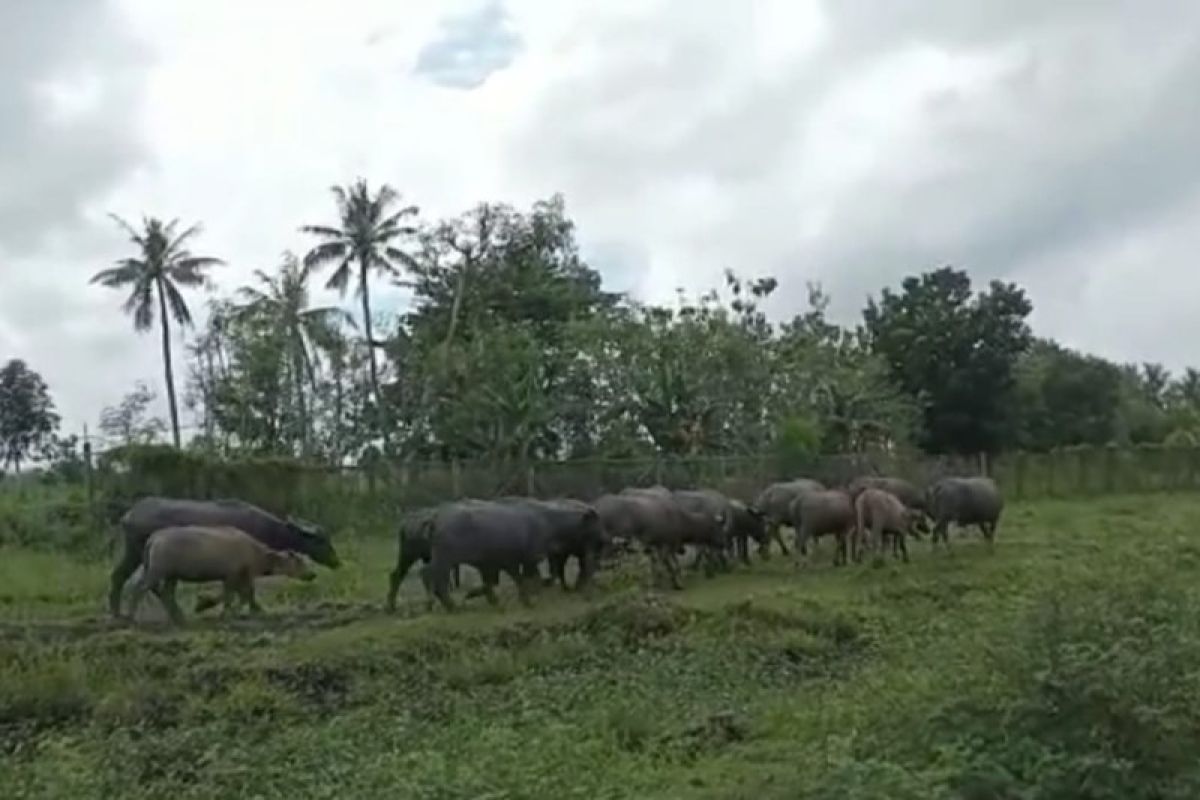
(52, 165)
(1083, 138)
(469, 48)
(55, 164)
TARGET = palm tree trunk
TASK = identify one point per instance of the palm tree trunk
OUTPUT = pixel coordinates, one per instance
(459, 290)
(380, 415)
(170, 373)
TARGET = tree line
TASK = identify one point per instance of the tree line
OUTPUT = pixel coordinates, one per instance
(512, 349)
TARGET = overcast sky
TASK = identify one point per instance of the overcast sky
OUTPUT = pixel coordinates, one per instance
(1053, 144)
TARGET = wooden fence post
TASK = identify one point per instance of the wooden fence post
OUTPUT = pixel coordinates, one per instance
(89, 481)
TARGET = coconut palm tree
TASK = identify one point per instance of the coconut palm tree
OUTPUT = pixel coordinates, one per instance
(365, 240)
(163, 264)
(283, 303)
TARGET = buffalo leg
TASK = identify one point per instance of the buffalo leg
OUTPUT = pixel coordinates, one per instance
(206, 601)
(902, 545)
(521, 579)
(490, 578)
(778, 534)
(396, 577)
(941, 532)
(558, 570)
(167, 595)
(437, 576)
(672, 565)
(229, 594)
(139, 591)
(128, 564)
(246, 589)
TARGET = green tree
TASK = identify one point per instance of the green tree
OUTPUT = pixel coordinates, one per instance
(163, 265)
(28, 421)
(366, 239)
(283, 303)
(954, 352)
(1066, 398)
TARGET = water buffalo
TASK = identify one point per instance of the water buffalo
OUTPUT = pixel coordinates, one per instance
(655, 518)
(964, 501)
(748, 523)
(883, 514)
(197, 554)
(775, 502)
(712, 504)
(584, 543)
(154, 513)
(498, 536)
(819, 513)
(904, 491)
(414, 540)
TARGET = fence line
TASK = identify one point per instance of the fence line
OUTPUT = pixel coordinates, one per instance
(371, 496)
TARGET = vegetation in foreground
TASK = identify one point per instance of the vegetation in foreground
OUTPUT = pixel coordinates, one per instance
(1063, 664)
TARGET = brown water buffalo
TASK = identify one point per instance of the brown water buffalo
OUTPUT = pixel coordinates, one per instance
(200, 554)
(880, 514)
(904, 491)
(775, 503)
(820, 513)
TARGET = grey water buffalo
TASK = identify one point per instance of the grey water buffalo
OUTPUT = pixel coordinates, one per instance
(905, 491)
(415, 543)
(151, 514)
(964, 502)
(748, 523)
(775, 502)
(583, 542)
(654, 518)
(200, 554)
(711, 504)
(821, 513)
(498, 536)
(883, 515)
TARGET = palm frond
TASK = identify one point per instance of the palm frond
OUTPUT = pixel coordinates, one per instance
(395, 219)
(324, 253)
(179, 309)
(380, 264)
(253, 296)
(134, 235)
(396, 254)
(175, 241)
(189, 270)
(341, 277)
(323, 231)
(127, 271)
(140, 304)
(386, 196)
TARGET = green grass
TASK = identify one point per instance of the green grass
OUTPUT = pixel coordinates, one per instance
(1065, 663)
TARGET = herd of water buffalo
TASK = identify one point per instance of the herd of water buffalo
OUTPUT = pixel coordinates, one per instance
(232, 542)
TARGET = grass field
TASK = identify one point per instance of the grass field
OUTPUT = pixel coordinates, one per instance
(1063, 664)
